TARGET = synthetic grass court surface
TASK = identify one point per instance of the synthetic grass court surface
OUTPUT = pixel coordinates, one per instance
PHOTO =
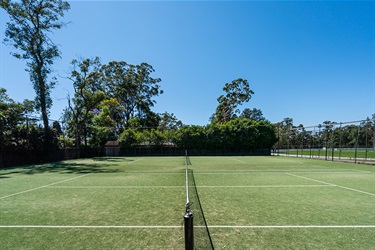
(138, 203)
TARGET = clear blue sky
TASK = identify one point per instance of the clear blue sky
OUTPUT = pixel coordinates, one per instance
(309, 60)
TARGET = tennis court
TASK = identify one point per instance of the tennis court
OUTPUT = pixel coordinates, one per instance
(139, 203)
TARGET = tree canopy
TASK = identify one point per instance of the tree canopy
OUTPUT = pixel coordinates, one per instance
(237, 93)
(29, 29)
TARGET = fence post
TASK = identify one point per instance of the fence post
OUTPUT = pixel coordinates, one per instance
(356, 146)
(333, 141)
(366, 143)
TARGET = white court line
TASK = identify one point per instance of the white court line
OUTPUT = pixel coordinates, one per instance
(232, 158)
(267, 186)
(312, 226)
(114, 187)
(363, 171)
(272, 172)
(153, 172)
(323, 182)
(140, 187)
(168, 227)
(89, 227)
(33, 189)
(321, 170)
(135, 161)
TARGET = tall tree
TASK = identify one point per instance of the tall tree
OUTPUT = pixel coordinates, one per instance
(285, 132)
(29, 29)
(133, 87)
(169, 122)
(237, 92)
(86, 77)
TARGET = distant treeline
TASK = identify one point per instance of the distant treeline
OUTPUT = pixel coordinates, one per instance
(328, 134)
(237, 133)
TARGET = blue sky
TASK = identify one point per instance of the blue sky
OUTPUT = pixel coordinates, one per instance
(309, 60)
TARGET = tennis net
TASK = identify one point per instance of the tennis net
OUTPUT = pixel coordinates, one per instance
(197, 235)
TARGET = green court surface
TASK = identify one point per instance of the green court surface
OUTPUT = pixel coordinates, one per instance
(139, 203)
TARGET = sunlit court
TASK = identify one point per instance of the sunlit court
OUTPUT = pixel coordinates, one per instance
(139, 202)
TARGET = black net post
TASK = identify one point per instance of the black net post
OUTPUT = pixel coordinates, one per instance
(189, 230)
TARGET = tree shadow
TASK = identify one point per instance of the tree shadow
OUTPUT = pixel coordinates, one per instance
(112, 159)
(62, 168)
(71, 168)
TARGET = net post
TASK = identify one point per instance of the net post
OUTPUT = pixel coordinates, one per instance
(189, 230)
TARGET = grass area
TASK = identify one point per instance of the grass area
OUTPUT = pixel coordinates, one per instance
(345, 153)
(138, 203)
(113, 192)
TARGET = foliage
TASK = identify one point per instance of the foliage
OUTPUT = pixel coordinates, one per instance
(103, 128)
(18, 127)
(252, 114)
(237, 133)
(28, 32)
(108, 98)
(169, 122)
(328, 134)
(85, 76)
(132, 86)
(237, 92)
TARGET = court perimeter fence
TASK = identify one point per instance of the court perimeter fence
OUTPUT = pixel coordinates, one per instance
(19, 157)
(178, 151)
(345, 141)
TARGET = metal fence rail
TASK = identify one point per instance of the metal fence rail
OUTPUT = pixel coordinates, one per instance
(345, 141)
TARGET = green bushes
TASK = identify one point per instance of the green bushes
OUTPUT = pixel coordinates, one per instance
(237, 133)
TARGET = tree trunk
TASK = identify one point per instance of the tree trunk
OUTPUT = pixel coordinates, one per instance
(43, 105)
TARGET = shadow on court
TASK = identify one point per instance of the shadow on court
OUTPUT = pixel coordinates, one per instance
(112, 159)
(61, 167)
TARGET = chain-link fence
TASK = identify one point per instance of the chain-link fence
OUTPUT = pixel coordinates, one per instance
(345, 141)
